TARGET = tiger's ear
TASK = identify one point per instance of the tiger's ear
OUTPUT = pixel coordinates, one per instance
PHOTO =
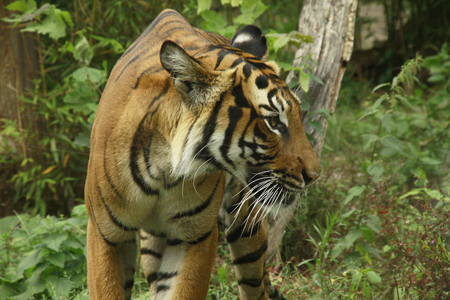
(197, 84)
(251, 40)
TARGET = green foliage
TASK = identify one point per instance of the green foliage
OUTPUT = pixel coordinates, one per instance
(43, 257)
(393, 199)
(47, 19)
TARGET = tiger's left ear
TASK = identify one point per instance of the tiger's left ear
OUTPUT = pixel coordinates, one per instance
(197, 84)
(251, 39)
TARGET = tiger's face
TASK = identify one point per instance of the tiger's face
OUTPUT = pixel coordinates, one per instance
(264, 144)
(247, 121)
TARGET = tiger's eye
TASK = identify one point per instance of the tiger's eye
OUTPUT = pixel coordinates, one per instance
(273, 121)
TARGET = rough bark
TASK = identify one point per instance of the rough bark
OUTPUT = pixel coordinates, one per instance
(331, 23)
(19, 64)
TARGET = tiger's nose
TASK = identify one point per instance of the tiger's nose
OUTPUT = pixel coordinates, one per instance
(308, 178)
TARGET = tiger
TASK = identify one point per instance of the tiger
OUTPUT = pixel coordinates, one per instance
(191, 123)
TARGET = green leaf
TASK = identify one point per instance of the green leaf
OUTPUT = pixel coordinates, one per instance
(430, 161)
(251, 10)
(234, 3)
(61, 286)
(55, 240)
(367, 114)
(367, 293)
(367, 233)
(214, 21)
(374, 223)
(356, 279)
(303, 79)
(436, 78)
(281, 42)
(83, 52)
(346, 242)
(375, 171)
(373, 277)
(379, 101)
(285, 66)
(28, 262)
(386, 121)
(372, 250)
(325, 112)
(368, 139)
(351, 260)
(223, 273)
(380, 86)
(316, 125)
(53, 24)
(203, 5)
(58, 259)
(91, 74)
(392, 143)
(22, 6)
(7, 223)
(353, 192)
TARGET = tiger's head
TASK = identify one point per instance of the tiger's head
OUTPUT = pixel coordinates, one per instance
(244, 118)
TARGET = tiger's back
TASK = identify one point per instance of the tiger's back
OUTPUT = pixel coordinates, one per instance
(180, 110)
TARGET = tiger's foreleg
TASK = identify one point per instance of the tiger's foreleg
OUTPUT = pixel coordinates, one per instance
(246, 235)
(179, 270)
(152, 250)
(111, 265)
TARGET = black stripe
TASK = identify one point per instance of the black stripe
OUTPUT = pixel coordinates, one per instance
(253, 282)
(146, 32)
(236, 62)
(200, 239)
(98, 227)
(146, 251)
(270, 95)
(267, 107)
(220, 56)
(251, 257)
(161, 288)
(110, 213)
(174, 242)
(107, 175)
(134, 157)
(139, 141)
(155, 234)
(151, 70)
(210, 127)
(157, 276)
(200, 208)
(165, 275)
(126, 66)
(240, 232)
(152, 277)
(234, 115)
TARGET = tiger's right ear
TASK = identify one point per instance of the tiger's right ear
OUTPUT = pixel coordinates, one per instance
(199, 85)
(251, 39)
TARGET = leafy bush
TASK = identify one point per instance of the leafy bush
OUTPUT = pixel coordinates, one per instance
(43, 258)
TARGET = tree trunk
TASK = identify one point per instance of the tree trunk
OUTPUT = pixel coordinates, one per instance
(19, 64)
(331, 23)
